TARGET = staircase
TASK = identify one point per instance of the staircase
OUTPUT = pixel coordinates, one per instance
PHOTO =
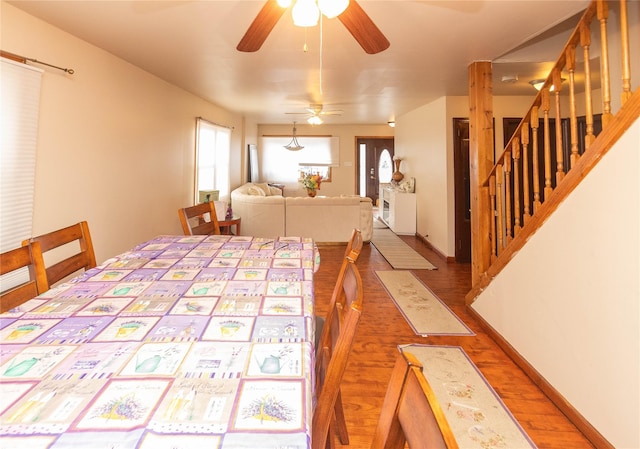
(556, 281)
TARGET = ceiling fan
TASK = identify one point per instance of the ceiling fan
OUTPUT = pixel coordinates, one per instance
(315, 113)
(357, 22)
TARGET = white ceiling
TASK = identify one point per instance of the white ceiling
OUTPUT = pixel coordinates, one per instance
(192, 44)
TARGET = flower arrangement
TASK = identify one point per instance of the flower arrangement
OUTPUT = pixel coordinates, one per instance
(311, 182)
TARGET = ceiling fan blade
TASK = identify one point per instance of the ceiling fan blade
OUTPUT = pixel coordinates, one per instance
(261, 26)
(335, 112)
(363, 29)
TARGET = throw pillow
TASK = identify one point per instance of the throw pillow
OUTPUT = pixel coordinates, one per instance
(264, 187)
(254, 190)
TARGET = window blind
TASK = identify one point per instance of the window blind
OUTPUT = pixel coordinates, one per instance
(20, 93)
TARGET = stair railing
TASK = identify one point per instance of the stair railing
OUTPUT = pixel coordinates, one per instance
(525, 182)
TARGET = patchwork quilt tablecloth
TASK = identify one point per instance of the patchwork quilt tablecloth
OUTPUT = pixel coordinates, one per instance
(182, 342)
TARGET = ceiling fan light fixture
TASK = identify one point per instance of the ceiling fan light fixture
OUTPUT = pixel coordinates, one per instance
(284, 3)
(305, 13)
(314, 120)
(293, 145)
(332, 8)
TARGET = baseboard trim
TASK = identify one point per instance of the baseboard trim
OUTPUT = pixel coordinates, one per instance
(428, 244)
(590, 432)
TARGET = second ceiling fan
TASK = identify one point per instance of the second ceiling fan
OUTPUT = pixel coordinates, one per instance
(357, 22)
(314, 113)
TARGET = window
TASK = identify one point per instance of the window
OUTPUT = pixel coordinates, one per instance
(282, 165)
(213, 146)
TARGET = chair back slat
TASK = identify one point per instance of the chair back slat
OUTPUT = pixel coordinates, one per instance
(411, 412)
(82, 259)
(332, 356)
(29, 256)
(194, 222)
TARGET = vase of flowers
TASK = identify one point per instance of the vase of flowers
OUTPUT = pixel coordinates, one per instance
(311, 182)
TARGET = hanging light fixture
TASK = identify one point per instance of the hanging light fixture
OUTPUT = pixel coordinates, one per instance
(294, 145)
(314, 120)
(305, 13)
(537, 84)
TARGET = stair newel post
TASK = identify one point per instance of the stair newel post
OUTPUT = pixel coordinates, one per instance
(557, 87)
(535, 148)
(546, 135)
(524, 137)
(493, 214)
(573, 118)
(585, 42)
(500, 216)
(515, 146)
(605, 76)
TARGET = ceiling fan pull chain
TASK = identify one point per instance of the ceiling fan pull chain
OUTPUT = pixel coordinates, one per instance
(305, 47)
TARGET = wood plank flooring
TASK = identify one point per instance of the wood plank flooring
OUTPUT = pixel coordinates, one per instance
(382, 328)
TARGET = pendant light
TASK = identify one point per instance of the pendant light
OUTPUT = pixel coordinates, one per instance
(294, 145)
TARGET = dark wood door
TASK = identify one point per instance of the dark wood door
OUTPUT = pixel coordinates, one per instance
(462, 189)
(367, 173)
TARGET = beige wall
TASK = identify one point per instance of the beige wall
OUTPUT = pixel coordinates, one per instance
(343, 177)
(115, 144)
(424, 138)
(580, 327)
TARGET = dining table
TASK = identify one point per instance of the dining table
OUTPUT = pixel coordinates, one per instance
(180, 342)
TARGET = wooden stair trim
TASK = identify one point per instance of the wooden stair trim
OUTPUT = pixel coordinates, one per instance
(590, 432)
(627, 115)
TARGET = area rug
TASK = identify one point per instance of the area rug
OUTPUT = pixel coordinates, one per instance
(425, 312)
(476, 414)
(399, 255)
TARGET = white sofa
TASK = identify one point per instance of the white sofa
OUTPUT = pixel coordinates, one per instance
(266, 213)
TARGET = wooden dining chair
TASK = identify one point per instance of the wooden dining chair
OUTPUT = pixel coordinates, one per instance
(75, 239)
(410, 411)
(194, 219)
(29, 256)
(352, 252)
(332, 355)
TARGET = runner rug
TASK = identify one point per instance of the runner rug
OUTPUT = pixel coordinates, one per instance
(476, 414)
(398, 253)
(425, 312)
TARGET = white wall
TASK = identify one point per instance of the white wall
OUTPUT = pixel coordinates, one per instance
(424, 138)
(421, 141)
(580, 327)
(343, 177)
(115, 144)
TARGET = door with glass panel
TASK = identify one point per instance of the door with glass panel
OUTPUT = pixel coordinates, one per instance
(375, 165)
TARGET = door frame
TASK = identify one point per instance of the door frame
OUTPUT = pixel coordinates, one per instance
(358, 174)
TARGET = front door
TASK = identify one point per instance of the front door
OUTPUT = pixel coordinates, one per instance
(369, 154)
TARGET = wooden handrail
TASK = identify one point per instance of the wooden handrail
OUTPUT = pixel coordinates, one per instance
(532, 167)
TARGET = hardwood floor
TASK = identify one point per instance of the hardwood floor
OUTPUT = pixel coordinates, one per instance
(382, 328)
